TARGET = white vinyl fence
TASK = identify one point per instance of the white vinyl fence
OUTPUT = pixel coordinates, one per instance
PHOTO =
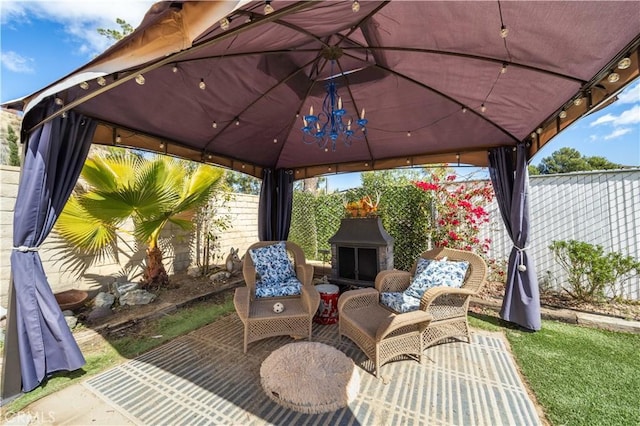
(600, 208)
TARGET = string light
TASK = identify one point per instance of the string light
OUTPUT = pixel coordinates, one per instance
(174, 69)
(483, 108)
(464, 110)
(577, 101)
(504, 31)
(409, 134)
(355, 6)
(503, 69)
(140, 79)
(59, 101)
(224, 24)
(613, 77)
(202, 85)
(84, 85)
(118, 139)
(237, 121)
(563, 114)
(161, 145)
(268, 9)
(214, 125)
(275, 140)
(539, 130)
(101, 81)
(624, 63)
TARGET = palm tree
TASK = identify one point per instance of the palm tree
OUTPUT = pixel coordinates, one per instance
(152, 192)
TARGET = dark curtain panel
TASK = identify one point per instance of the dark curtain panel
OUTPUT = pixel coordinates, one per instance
(510, 179)
(276, 200)
(55, 155)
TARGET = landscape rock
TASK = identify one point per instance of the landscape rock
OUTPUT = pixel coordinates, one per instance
(137, 297)
(119, 289)
(220, 276)
(71, 322)
(104, 300)
(194, 271)
(67, 313)
(99, 312)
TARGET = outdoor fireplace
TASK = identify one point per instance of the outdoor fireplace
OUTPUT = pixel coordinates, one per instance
(359, 250)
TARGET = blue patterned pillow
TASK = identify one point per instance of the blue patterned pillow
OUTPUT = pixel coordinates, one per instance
(290, 287)
(436, 274)
(272, 264)
(400, 302)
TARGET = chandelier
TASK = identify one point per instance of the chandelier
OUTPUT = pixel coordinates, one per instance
(332, 124)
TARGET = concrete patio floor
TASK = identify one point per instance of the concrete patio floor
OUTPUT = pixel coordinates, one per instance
(204, 378)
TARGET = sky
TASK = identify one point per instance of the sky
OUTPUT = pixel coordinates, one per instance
(43, 41)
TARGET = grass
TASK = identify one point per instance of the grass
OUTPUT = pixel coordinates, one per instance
(117, 350)
(580, 376)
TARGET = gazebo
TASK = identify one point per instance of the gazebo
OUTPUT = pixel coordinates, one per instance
(286, 90)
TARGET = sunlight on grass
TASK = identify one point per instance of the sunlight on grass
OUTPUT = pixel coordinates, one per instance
(581, 376)
(118, 350)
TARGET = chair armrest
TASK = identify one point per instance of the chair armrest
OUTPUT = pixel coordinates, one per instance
(304, 273)
(430, 296)
(310, 298)
(392, 281)
(393, 322)
(355, 299)
(241, 301)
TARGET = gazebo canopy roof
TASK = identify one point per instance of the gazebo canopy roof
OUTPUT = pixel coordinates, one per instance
(440, 81)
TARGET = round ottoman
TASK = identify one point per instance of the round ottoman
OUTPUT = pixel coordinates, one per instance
(310, 377)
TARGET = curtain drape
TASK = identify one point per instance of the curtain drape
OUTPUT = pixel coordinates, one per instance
(276, 201)
(55, 155)
(510, 179)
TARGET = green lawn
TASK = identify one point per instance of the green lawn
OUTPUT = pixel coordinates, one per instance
(581, 376)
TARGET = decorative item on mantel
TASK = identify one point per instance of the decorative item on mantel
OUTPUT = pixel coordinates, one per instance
(364, 207)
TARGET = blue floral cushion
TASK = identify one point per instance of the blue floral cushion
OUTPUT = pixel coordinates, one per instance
(400, 302)
(436, 273)
(290, 287)
(273, 266)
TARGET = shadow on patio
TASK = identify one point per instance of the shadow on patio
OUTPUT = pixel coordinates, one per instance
(204, 378)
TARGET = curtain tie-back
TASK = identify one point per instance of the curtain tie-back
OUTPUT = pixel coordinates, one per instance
(521, 266)
(25, 249)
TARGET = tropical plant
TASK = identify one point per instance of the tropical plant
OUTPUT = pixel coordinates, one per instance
(151, 192)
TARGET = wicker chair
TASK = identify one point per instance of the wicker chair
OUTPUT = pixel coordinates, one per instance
(257, 314)
(448, 306)
(381, 334)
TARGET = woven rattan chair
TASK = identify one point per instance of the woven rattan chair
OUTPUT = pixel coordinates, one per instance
(448, 306)
(381, 334)
(257, 315)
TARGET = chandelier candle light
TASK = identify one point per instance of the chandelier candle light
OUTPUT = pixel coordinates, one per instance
(333, 123)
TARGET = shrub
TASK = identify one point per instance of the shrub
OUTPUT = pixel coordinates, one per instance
(593, 274)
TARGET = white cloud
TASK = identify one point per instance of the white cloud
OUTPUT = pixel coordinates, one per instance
(627, 117)
(617, 133)
(631, 95)
(80, 18)
(16, 62)
(608, 118)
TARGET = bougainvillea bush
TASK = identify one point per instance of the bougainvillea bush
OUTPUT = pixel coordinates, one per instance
(459, 210)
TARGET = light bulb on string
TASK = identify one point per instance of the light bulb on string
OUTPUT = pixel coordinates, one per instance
(214, 125)
(504, 31)
(202, 85)
(224, 24)
(140, 79)
(84, 85)
(355, 6)
(268, 9)
(483, 108)
(174, 69)
(101, 81)
(563, 114)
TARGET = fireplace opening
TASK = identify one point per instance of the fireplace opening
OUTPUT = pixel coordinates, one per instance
(359, 251)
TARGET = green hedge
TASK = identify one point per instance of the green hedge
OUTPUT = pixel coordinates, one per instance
(404, 211)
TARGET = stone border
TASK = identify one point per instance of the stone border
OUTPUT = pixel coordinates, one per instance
(570, 316)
